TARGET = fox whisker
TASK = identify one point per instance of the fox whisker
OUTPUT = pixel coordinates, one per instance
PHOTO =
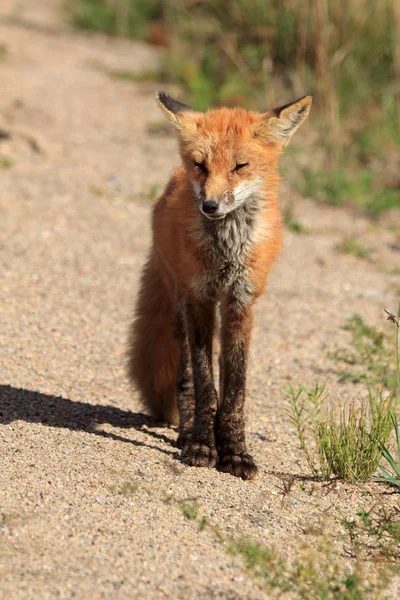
(244, 193)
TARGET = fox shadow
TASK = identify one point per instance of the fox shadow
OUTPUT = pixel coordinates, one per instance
(55, 411)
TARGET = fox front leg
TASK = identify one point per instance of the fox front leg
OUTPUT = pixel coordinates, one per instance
(235, 336)
(200, 451)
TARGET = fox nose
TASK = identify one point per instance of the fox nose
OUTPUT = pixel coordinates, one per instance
(210, 206)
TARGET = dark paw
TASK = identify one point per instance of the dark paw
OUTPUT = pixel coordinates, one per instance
(240, 465)
(199, 455)
(184, 439)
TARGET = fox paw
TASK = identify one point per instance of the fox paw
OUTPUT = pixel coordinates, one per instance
(199, 455)
(240, 465)
(184, 440)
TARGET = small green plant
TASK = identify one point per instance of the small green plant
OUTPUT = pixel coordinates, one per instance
(349, 444)
(374, 533)
(152, 193)
(128, 488)
(189, 509)
(3, 52)
(391, 470)
(96, 16)
(317, 572)
(6, 163)
(304, 407)
(203, 523)
(396, 320)
(345, 443)
(369, 360)
(96, 191)
(293, 224)
(131, 18)
(314, 574)
(263, 563)
(350, 245)
(339, 188)
(125, 75)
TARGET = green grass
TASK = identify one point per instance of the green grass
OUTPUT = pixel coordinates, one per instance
(127, 488)
(317, 573)
(261, 53)
(152, 193)
(221, 51)
(351, 245)
(374, 533)
(3, 53)
(304, 406)
(341, 187)
(96, 16)
(254, 52)
(6, 163)
(126, 75)
(294, 225)
(369, 359)
(131, 18)
(390, 466)
(350, 440)
(189, 509)
(344, 442)
(96, 191)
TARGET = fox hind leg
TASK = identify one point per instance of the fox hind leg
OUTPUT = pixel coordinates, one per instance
(184, 381)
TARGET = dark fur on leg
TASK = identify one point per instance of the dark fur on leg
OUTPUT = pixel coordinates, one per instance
(184, 382)
(201, 450)
(236, 328)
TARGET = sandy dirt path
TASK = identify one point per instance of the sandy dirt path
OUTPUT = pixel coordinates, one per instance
(91, 490)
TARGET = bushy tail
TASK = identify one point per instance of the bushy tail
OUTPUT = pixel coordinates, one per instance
(153, 353)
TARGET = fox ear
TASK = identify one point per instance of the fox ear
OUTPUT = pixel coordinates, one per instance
(172, 108)
(278, 125)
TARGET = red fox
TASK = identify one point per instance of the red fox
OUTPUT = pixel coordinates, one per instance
(216, 233)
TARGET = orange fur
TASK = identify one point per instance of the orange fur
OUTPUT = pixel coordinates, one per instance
(179, 257)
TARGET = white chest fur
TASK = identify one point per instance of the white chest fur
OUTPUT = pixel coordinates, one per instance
(227, 244)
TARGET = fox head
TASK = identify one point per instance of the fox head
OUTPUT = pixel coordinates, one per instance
(230, 155)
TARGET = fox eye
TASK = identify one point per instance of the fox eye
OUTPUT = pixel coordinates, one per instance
(202, 167)
(239, 166)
